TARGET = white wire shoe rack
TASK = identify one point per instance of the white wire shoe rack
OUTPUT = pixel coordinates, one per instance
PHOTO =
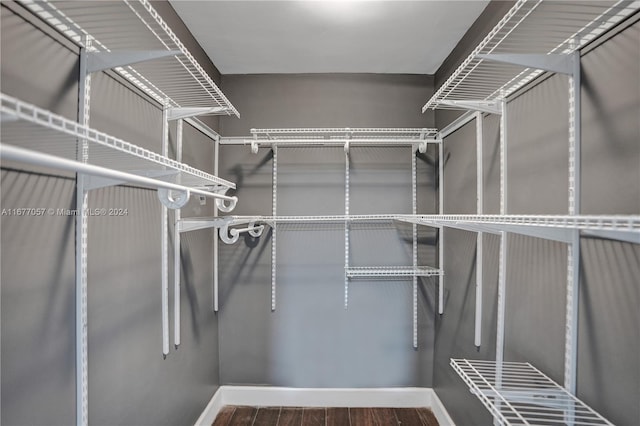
(517, 393)
(533, 38)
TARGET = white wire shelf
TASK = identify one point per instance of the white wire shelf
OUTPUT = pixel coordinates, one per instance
(530, 27)
(355, 132)
(134, 25)
(516, 393)
(239, 220)
(619, 227)
(29, 127)
(556, 227)
(336, 137)
(391, 271)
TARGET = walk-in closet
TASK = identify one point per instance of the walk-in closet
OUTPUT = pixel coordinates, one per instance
(351, 213)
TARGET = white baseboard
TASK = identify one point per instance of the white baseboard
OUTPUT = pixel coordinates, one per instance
(211, 410)
(441, 413)
(261, 396)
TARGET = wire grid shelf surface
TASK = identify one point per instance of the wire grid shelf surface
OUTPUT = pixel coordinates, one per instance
(237, 220)
(391, 271)
(516, 393)
(328, 136)
(529, 27)
(33, 128)
(134, 25)
(583, 222)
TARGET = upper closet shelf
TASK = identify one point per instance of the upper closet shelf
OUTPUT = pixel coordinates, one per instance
(128, 32)
(534, 36)
(516, 393)
(336, 137)
(554, 227)
(39, 136)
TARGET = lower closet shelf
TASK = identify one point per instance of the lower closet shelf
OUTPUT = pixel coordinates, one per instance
(516, 393)
(391, 271)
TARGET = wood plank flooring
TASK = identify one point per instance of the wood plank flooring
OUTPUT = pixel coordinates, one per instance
(298, 416)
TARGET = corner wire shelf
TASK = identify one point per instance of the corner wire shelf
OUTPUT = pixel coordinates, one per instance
(37, 130)
(618, 227)
(529, 27)
(518, 393)
(135, 26)
(336, 137)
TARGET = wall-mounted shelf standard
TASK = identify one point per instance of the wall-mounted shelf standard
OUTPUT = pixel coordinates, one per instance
(28, 127)
(516, 393)
(533, 36)
(124, 33)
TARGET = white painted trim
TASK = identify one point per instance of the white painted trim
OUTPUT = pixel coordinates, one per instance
(324, 397)
(441, 413)
(212, 409)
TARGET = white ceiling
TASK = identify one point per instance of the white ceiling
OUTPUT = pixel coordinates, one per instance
(255, 37)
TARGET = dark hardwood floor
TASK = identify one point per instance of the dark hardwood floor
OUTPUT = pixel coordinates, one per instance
(298, 416)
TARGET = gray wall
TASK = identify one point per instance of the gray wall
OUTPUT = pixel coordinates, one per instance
(326, 100)
(311, 340)
(608, 369)
(129, 382)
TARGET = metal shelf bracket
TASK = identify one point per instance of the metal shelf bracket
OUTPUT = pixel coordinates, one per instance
(101, 61)
(557, 62)
(188, 112)
(491, 107)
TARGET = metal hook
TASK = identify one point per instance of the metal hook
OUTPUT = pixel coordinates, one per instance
(170, 201)
(230, 236)
(220, 203)
(255, 230)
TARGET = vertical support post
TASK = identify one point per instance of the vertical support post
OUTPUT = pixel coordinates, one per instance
(441, 230)
(414, 245)
(503, 158)
(177, 249)
(502, 279)
(502, 275)
(82, 206)
(502, 271)
(479, 247)
(573, 249)
(274, 205)
(164, 243)
(216, 247)
(346, 228)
